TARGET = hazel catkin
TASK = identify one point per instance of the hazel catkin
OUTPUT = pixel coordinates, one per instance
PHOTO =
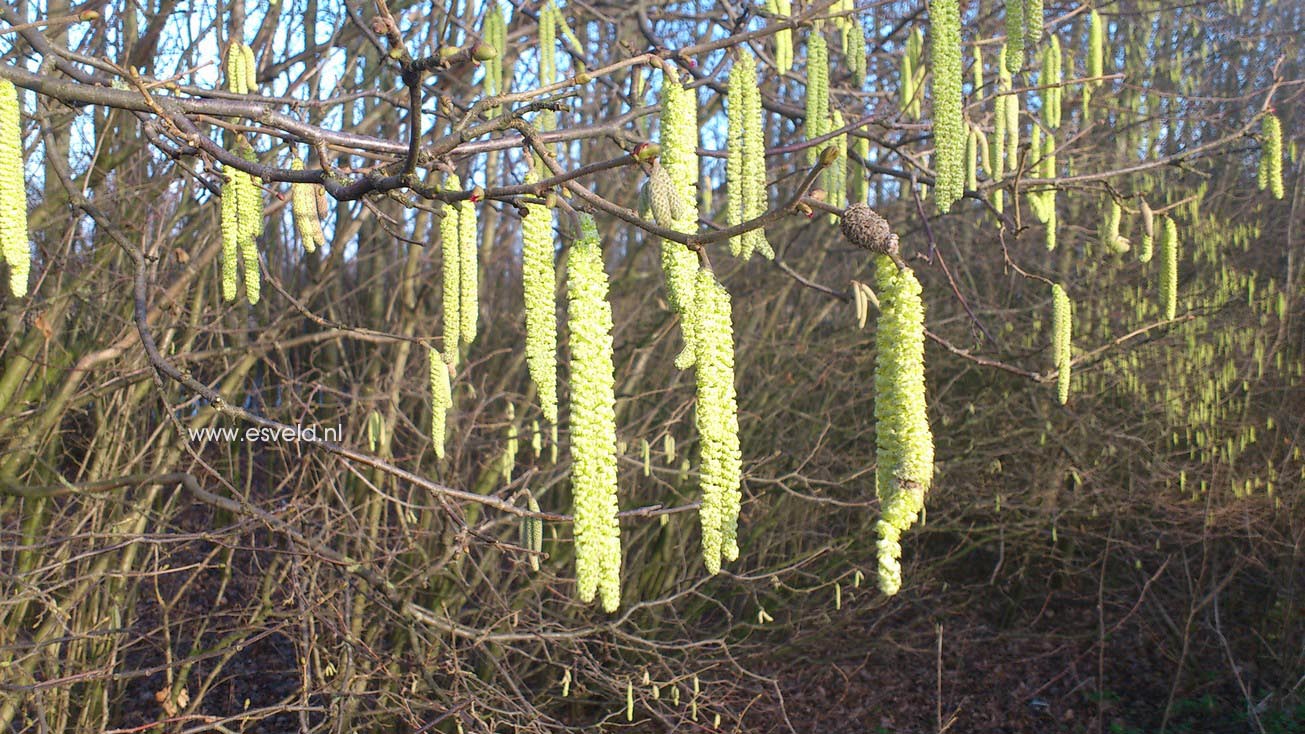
(948, 125)
(13, 192)
(593, 423)
(903, 439)
(538, 277)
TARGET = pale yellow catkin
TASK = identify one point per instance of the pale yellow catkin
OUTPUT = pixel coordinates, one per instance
(452, 256)
(13, 192)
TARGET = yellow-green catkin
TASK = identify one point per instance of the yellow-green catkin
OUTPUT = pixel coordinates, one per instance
(983, 150)
(679, 156)
(1096, 60)
(251, 223)
(716, 417)
(251, 68)
(816, 119)
(303, 206)
(906, 88)
(1146, 249)
(1271, 155)
(856, 52)
(532, 531)
(230, 235)
(948, 125)
(468, 270)
(1033, 12)
(237, 76)
(746, 165)
(836, 173)
(999, 132)
(441, 401)
(1051, 79)
(13, 192)
(976, 72)
(493, 31)
(1012, 113)
(736, 104)
(860, 184)
(242, 223)
(1169, 267)
(513, 444)
(913, 74)
(1014, 49)
(1109, 230)
(971, 161)
(1062, 320)
(782, 9)
(593, 423)
(548, 43)
(1096, 54)
(452, 255)
(538, 276)
(903, 439)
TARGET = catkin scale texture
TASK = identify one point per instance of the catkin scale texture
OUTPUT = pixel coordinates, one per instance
(538, 276)
(237, 77)
(1051, 79)
(452, 295)
(716, 417)
(1271, 164)
(736, 104)
(593, 423)
(1033, 12)
(1061, 344)
(1169, 267)
(441, 401)
(903, 439)
(836, 172)
(13, 192)
(815, 120)
(679, 141)
(303, 206)
(1014, 51)
(548, 43)
(754, 164)
(251, 68)
(948, 125)
(230, 237)
(784, 38)
(468, 270)
(1096, 47)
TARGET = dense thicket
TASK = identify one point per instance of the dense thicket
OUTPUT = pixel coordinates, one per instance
(311, 214)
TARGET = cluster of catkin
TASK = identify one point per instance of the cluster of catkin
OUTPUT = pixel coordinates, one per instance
(1023, 23)
(493, 31)
(783, 39)
(242, 225)
(745, 177)
(13, 192)
(538, 276)
(242, 199)
(679, 160)
(458, 238)
(308, 205)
